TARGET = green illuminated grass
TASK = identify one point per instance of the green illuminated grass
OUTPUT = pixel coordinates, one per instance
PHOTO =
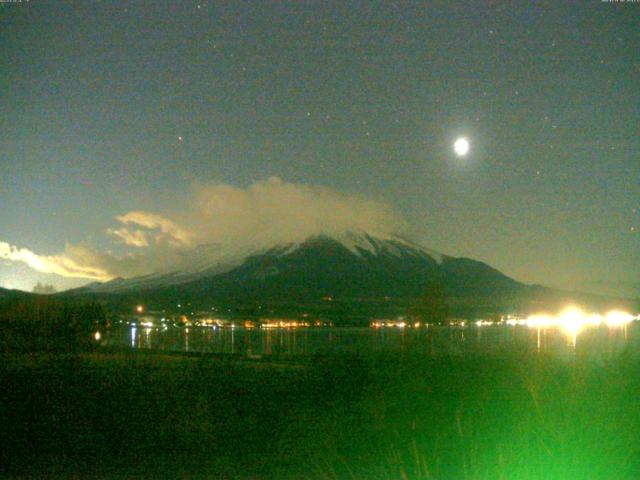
(387, 416)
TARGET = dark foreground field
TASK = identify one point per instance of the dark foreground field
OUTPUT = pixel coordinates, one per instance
(137, 415)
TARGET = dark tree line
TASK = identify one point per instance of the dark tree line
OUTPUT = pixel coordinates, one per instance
(47, 324)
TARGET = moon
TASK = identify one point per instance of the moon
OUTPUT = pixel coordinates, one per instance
(461, 146)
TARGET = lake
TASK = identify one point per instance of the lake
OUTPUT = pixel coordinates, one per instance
(596, 342)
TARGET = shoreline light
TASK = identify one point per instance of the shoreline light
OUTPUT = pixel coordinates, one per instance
(573, 319)
(617, 318)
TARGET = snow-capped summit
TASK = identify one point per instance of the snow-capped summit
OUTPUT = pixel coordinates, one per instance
(212, 259)
(394, 245)
(354, 263)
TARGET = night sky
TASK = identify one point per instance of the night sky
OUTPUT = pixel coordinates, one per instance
(112, 107)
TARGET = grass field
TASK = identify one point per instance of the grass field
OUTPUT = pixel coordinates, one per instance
(387, 416)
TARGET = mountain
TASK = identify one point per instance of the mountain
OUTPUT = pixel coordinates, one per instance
(9, 298)
(6, 294)
(351, 275)
(351, 265)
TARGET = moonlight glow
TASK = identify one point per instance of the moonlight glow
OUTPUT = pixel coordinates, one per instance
(461, 146)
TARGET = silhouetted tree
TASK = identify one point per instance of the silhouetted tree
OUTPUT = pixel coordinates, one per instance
(431, 305)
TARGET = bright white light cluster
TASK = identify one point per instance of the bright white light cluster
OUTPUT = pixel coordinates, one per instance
(573, 319)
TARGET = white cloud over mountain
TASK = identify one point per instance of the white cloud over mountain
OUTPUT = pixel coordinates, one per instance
(266, 213)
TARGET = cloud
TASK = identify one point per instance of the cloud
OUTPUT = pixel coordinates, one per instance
(136, 238)
(82, 261)
(64, 265)
(220, 217)
(169, 231)
(274, 211)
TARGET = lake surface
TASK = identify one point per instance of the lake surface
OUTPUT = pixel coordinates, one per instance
(597, 342)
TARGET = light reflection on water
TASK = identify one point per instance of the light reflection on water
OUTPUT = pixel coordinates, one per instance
(432, 341)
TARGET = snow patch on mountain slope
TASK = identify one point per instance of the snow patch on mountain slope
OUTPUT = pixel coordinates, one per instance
(392, 245)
